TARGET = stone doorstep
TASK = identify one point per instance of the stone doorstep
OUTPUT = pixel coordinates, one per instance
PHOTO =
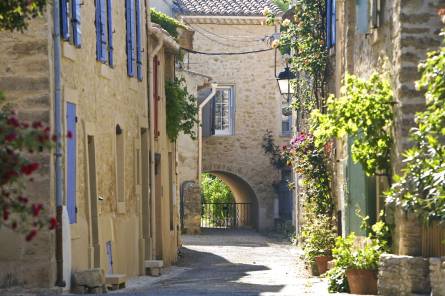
(116, 281)
(154, 267)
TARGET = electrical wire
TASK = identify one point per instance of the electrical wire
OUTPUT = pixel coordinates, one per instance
(229, 37)
(226, 53)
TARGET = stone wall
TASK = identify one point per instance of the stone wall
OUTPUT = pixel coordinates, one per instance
(25, 80)
(258, 104)
(437, 276)
(192, 208)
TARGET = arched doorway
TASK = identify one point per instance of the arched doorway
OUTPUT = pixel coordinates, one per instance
(241, 213)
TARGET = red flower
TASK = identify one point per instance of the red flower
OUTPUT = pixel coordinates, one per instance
(53, 223)
(10, 137)
(13, 121)
(37, 124)
(23, 199)
(69, 135)
(36, 208)
(6, 214)
(31, 235)
(28, 169)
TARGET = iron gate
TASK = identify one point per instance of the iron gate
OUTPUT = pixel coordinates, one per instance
(226, 215)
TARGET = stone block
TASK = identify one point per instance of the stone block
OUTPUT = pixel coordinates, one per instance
(403, 275)
(437, 276)
(116, 281)
(154, 267)
(89, 281)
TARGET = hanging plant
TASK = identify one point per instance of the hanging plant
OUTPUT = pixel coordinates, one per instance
(182, 109)
(364, 112)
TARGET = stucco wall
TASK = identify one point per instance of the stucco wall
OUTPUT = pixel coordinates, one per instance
(25, 79)
(258, 106)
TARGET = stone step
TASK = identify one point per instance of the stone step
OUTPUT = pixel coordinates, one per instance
(116, 281)
(153, 267)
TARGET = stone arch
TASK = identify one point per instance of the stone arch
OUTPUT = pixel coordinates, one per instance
(242, 190)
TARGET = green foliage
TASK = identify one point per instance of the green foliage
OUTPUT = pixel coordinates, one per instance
(421, 188)
(364, 111)
(318, 235)
(305, 36)
(310, 162)
(282, 4)
(214, 190)
(15, 14)
(167, 23)
(182, 110)
(349, 254)
(278, 157)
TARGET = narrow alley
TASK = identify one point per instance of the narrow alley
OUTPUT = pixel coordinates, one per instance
(229, 262)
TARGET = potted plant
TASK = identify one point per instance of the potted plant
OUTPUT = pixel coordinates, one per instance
(319, 240)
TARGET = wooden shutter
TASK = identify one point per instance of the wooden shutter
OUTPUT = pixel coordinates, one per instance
(110, 31)
(362, 16)
(156, 95)
(98, 44)
(64, 19)
(129, 9)
(71, 166)
(103, 31)
(75, 15)
(138, 40)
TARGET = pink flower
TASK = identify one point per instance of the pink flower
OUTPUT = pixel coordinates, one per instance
(31, 235)
(10, 137)
(36, 208)
(28, 169)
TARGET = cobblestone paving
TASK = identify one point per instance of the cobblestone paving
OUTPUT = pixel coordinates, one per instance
(232, 263)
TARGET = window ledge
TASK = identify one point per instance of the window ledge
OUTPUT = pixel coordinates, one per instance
(68, 51)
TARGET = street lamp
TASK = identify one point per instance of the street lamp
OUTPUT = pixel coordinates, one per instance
(285, 79)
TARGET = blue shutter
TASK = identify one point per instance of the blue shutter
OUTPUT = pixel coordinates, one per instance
(64, 20)
(334, 23)
(77, 33)
(98, 42)
(110, 31)
(71, 167)
(328, 23)
(129, 9)
(138, 39)
(103, 31)
(362, 16)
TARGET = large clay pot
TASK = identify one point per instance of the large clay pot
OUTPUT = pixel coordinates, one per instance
(322, 263)
(362, 282)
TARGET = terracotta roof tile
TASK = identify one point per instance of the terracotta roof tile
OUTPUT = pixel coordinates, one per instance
(225, 7)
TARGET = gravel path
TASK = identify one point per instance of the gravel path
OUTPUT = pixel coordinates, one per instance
(233, 263)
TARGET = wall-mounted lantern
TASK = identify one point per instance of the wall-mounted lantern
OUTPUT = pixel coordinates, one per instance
(285, 80)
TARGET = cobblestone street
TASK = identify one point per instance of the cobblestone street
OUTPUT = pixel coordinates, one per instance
(232, 263)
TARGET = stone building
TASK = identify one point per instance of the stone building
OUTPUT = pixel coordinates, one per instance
(118, 182)
(389, 37)
(246, 104)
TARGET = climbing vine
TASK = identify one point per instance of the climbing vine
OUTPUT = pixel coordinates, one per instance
(167, 23)
(364, 112)
(303, 35)
(421, 188)
(182, 110)
(15, 14)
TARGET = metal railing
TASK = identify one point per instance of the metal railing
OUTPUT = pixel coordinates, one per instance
(226, 215)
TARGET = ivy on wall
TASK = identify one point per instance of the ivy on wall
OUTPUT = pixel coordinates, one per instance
(15, 14)
(182, 109)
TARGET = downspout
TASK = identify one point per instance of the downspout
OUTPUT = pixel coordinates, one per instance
(150, 79)
(201, 107)
(58, 132)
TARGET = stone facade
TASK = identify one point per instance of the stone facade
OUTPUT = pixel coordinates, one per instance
(239, 159)
(115, 214)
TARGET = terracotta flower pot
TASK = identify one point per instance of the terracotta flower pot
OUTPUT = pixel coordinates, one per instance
(322, 263)
(362, 282)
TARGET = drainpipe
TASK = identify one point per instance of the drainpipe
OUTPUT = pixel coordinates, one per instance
(201, 107)
(58, 132)
(151, 119)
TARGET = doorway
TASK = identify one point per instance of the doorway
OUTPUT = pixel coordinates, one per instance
(93, 201)
(145, 193)
(158, 206)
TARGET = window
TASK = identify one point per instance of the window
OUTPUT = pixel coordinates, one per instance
(224, 109)
(286, 119)
(134, 37)
(331, 23)
(362, 14)
(104, 31)
(71, 13)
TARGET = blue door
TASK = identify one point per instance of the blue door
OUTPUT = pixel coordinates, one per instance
(71, 169)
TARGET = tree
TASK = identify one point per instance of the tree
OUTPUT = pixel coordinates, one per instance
(15, 14)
